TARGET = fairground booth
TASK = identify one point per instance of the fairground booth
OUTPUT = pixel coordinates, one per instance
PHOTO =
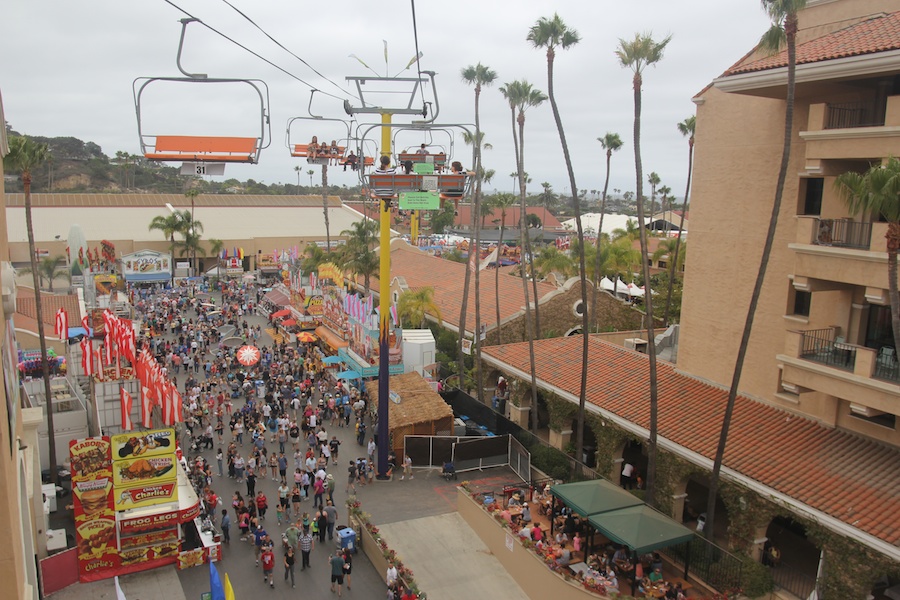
(147, 267)
(135, 508)
(415, 409)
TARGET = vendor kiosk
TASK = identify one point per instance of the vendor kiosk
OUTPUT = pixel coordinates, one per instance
(135, 507)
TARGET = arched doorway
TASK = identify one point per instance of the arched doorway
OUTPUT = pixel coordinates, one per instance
(633, 454)
(792, 557)
(695, 508)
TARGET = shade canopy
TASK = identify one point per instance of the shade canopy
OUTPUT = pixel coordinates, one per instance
(281, 313)
(348, 375)
(289, 322)
(331, 360)
(306, 337)
(640, 528)
(590, 497)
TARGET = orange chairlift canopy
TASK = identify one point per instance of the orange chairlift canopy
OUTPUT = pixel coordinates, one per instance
(202, 148)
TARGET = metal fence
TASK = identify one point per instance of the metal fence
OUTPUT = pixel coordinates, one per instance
(842, 233)
(852, 114)
(711, 563)
(818, 345)
(791, 580)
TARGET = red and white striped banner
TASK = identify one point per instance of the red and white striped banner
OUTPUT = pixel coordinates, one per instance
(61, 328)
(127, 425)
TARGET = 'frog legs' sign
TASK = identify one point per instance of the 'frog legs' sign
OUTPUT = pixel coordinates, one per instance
(420, 201)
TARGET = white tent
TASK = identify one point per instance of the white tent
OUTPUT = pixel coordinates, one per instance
(634, 291)
(621, 287)
(606, 284)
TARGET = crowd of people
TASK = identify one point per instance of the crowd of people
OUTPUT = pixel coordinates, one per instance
(265, 421)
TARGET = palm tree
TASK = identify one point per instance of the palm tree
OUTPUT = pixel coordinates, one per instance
(50, 268)
(169, 225)
(666, 249)
(553, 33)
(310, 173)
(502, 201)
(325, 205)
(664, 192)
(478, 75)
(686, 128)
(297, 169)
(783, 31)
(653, 180)
(552, 260)
(361, 257)
(877, 192)
(611, 142)
(414, 305)
(24, 156)
(215, 247)
(521, 95)
(314, 256)
(636, 55)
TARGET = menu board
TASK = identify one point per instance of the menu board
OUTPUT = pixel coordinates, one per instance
(144, 468)
(95, 518)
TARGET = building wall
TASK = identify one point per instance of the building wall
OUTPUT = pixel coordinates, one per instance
(738, 144)
(12, 550)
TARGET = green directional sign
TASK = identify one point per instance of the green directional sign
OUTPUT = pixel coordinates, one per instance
(420, 201)
(423, 168)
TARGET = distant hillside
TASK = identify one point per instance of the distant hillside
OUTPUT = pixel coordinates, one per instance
(82, 167)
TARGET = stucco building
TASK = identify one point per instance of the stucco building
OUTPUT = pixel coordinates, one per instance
(822, 343)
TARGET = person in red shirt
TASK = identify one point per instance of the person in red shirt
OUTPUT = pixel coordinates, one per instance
(268, 564)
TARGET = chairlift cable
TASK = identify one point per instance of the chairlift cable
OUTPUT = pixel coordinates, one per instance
(280, 45)
(418, 54)
(259, 56)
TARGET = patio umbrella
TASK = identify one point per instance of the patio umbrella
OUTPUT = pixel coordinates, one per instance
(281, 313)
(248, 355)
(306, 337)
(348, 375)
(332, 360)
(249, 276)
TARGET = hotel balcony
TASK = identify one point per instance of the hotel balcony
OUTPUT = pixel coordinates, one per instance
(833, 253)
(818, 360)
(852, 131)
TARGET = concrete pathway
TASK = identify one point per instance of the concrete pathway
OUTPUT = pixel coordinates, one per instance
(158, 584)
(449, 560)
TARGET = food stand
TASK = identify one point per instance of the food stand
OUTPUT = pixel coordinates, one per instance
(135, 508)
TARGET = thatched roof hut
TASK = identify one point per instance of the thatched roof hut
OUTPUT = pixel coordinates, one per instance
(415, 409)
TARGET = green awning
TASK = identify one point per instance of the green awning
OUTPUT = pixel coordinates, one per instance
(589, 497)
(640, 528)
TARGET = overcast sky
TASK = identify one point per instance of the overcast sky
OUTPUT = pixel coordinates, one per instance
(66, 69)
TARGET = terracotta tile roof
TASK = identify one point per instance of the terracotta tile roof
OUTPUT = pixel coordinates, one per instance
(448, 277)
(548, 219)
(878, 33)
(848, 477)
(50, 303)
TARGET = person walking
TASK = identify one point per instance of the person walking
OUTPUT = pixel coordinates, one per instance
(226, 526)
(407, 467)
(268, 563)
(306, 544)
(348, 566)
(337, 571)
(331, 514)
(289, 565)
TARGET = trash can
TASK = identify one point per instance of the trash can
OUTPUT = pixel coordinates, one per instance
(347, 539)
(260, 389)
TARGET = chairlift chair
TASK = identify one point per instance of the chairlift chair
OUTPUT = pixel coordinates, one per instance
(202, 148)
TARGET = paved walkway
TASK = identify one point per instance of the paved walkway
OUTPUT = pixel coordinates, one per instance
(449, 560)
(417, 517)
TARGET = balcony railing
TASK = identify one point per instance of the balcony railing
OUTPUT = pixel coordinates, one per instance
(819, 345)
(842, 233)
(854, 114)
